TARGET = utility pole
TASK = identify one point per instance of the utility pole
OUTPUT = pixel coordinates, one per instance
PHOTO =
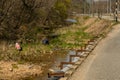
(92, 7)
(84, 6)
(116, 11)
(99, 12)
(110, 7)
(107, 6)
(118, 5)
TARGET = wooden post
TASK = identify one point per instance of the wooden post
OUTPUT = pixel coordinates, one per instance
(91, 40)
(81, 50)
(62, 63)
(71, 56)
(60, 74)
(85, 46)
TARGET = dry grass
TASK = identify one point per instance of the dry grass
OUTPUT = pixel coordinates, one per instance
(98, 27)
(45, 55)
(8, 70)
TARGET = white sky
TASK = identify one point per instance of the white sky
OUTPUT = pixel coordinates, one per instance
(96, 0)
(100, 0)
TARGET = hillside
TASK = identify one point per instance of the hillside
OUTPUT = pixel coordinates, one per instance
(39, 56)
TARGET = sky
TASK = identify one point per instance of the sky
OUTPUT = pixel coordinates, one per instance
(100, 0)
(96, 0)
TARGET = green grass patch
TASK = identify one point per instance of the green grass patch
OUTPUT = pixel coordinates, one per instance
(71, 39)
(14, 66)
(21, 62)
(86, 17)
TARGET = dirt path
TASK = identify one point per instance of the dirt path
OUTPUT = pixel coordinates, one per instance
(104, 62)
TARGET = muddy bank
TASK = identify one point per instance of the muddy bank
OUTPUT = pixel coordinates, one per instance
(34, 70)
(13, 70)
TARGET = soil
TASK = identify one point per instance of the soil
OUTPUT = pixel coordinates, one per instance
(12, 70)
(90, 21)
(98, 27)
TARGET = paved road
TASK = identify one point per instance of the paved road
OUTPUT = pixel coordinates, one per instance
(104, 62)
(104, 16)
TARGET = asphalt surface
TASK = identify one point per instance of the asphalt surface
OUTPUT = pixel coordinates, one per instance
(104, 62)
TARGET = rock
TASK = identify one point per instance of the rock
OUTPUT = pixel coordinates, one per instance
(51, 70)
(30, 67)
(11, 69)
(43, 64)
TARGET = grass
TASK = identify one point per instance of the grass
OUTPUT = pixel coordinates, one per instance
(71, 39)
(72, 36)
(86, 17)
(14, 66)
(37, 52)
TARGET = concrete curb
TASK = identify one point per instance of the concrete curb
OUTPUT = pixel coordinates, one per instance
(78, 63)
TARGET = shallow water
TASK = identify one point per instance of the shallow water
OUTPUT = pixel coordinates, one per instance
(58, 59)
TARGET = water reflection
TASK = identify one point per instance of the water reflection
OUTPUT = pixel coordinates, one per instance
(55, 65)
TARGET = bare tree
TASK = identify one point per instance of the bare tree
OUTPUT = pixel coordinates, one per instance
(14, 13)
